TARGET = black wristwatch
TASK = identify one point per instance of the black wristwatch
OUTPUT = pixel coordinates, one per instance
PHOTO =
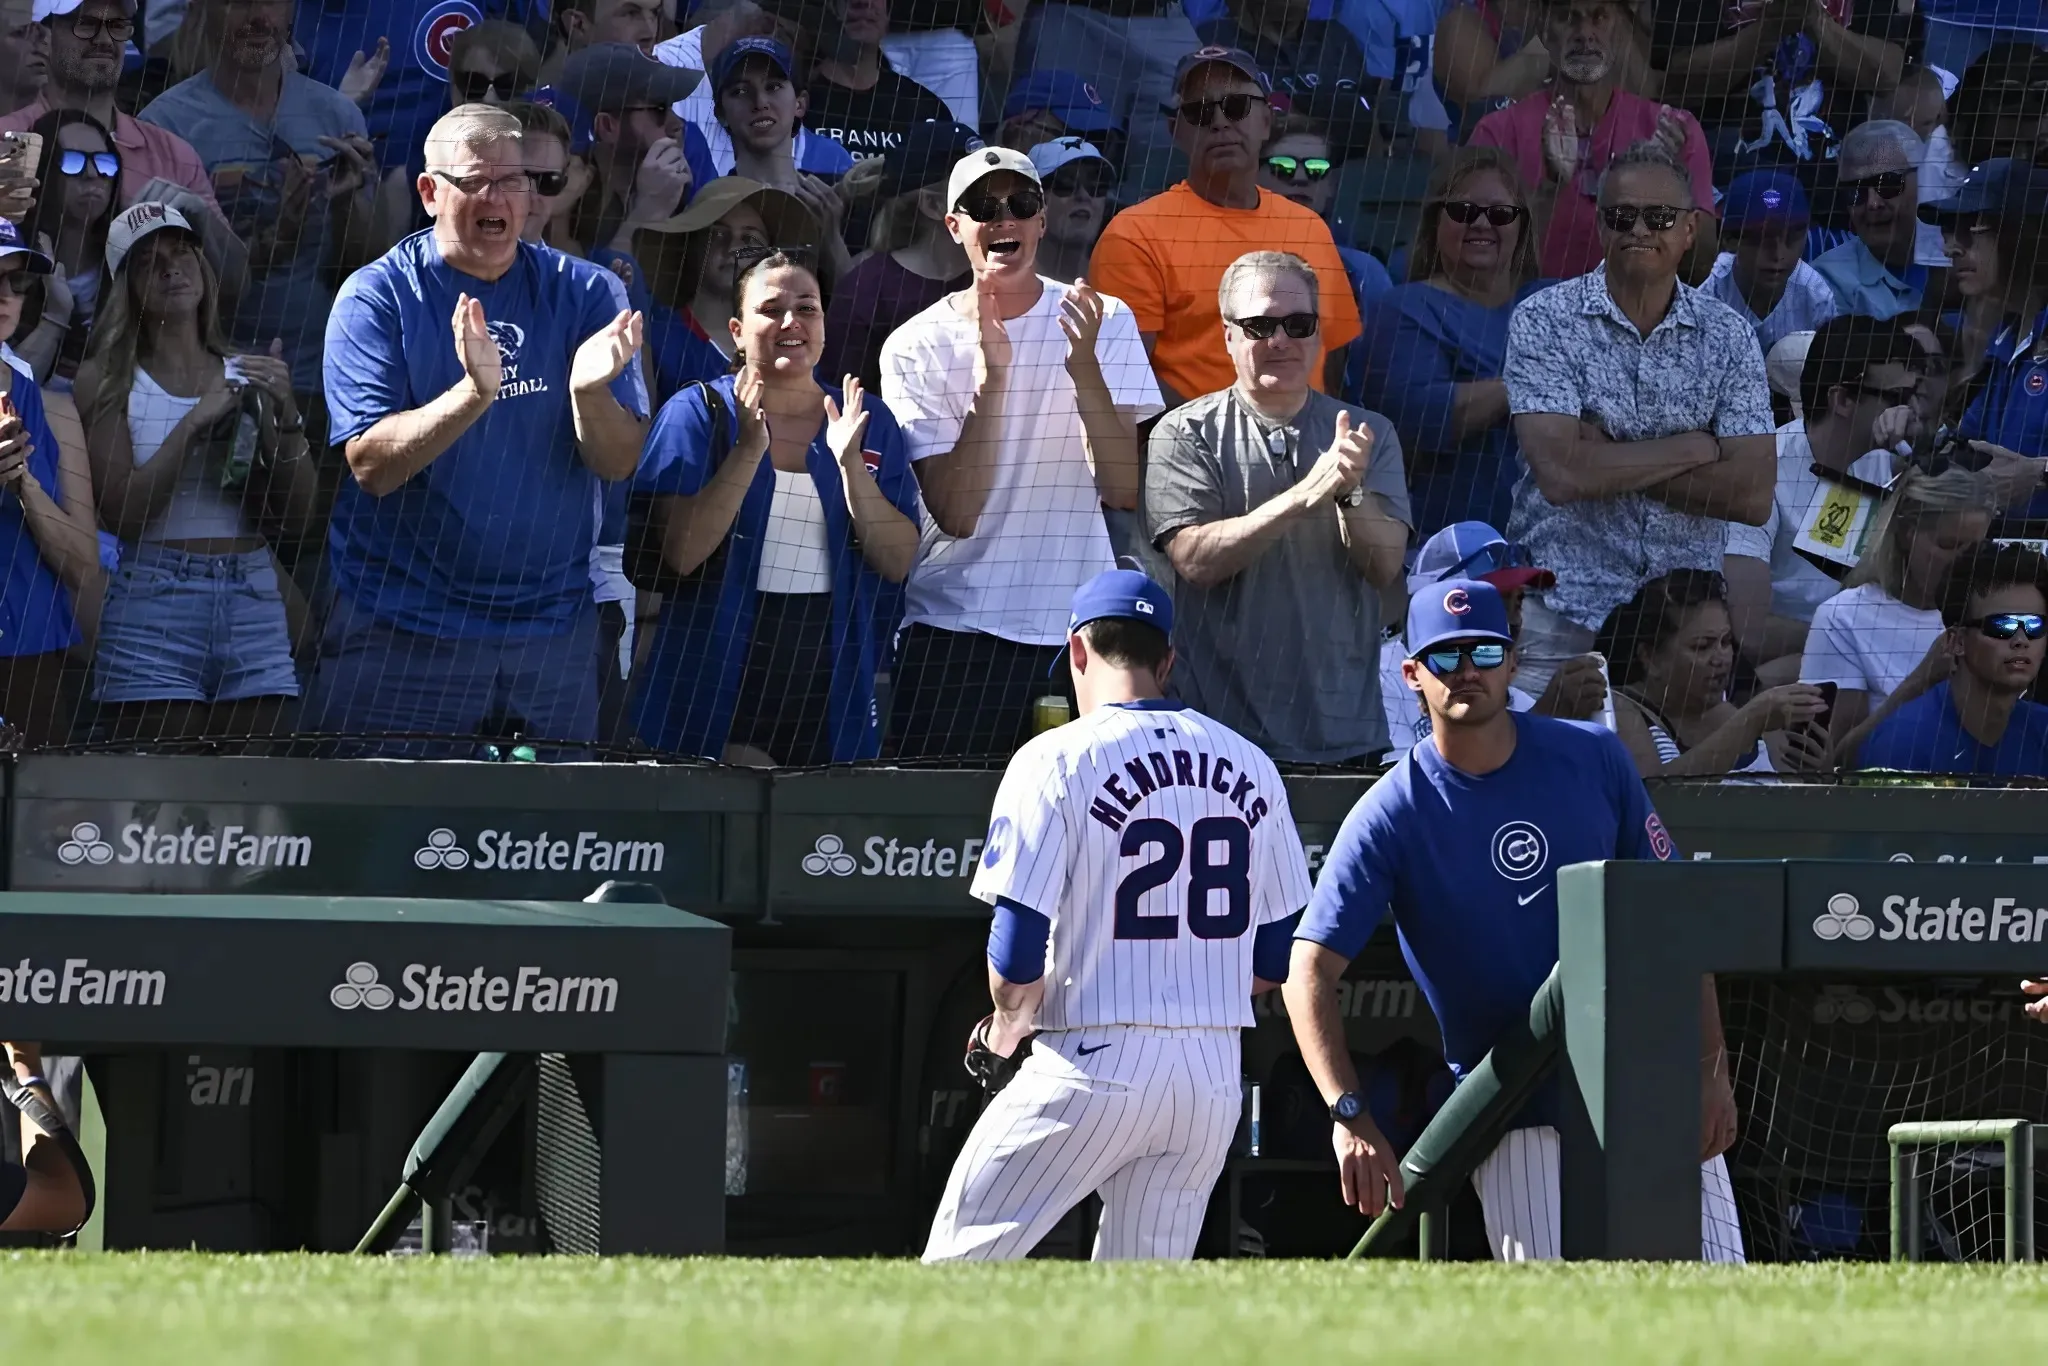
(1347, 1107)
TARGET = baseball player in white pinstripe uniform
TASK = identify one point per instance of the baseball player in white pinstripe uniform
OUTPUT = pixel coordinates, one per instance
(1147, 879)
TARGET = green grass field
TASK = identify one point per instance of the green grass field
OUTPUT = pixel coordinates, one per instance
(563, 1312)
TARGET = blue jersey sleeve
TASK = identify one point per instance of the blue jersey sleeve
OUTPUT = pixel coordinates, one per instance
(1641, 833)
(677, 457)
(364, 358)
(1357, 883)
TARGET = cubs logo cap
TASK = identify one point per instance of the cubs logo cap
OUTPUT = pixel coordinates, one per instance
(1469, 611)
(1755, 198)
(1121, 593)
(1474, 550)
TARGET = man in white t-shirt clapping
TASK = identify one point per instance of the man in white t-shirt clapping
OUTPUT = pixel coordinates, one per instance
(1020, 398)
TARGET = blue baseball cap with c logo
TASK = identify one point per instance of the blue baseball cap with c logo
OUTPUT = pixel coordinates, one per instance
(1465, 610)
(1121, 593)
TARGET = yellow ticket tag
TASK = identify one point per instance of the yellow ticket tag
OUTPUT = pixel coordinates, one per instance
(1835, 517)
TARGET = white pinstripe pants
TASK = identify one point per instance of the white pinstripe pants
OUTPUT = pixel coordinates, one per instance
(1144, 1117)
(1518, 1189)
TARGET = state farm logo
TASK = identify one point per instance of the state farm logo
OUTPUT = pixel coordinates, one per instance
(829, 855)
(359, 987)
(85, 846)
(510, 851)
(1844, 919)
(440, 851)
(434, 987)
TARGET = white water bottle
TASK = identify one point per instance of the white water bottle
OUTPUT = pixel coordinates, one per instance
(1606, 692)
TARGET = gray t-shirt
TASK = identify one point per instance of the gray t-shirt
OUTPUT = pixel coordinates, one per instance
(246, 159)
(1286, 652)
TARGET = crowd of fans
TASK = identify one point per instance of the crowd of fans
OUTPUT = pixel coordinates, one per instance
(755, 380)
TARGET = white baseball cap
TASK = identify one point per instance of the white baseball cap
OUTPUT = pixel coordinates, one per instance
(987, 161)
(1050, 156)
(136, 222)
(48, 9)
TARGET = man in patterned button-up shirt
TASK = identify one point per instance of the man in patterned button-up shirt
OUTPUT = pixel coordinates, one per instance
(1643, 414)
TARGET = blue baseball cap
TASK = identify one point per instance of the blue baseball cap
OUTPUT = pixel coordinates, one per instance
(926, 155)
(1465, 610)
(1474, 550)
(1999, 185)
(581, 135)
(753, 46)
(12, 245)
(1075, 101)
(1758, 197)
(1121, 593)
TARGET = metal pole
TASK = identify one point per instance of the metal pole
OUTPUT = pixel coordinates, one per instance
(1905, 1203)
(2019, 1194)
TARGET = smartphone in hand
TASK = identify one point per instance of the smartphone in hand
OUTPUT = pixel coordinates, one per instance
(1820, 724)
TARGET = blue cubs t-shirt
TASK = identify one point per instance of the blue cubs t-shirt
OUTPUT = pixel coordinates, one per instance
(493, 537)
(414, 91)
(1927, 736)
(1469, 866)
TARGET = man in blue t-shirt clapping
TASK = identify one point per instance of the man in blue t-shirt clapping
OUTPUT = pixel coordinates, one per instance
(1964, 709)
(481, 388)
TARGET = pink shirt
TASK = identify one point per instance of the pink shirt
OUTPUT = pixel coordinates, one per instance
(147, 153)
(1572, 246)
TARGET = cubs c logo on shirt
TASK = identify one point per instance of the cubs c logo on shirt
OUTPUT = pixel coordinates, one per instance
(1457, 602)
(1519, 851)
(437, 29)
(2036, 382)
(872, 459)
(1660, 838)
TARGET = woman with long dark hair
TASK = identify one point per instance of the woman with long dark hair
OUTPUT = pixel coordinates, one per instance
(1435, 346)
(198, 453)
(1670, 656)
(788, 520)
(79, 178)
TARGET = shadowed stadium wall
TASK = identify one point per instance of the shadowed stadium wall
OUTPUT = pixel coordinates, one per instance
(857, 951)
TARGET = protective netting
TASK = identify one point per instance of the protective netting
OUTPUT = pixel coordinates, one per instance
(250, 526)
(1824, 1069)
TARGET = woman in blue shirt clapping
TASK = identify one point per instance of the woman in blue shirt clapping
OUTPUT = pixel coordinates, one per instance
(1435, 346)
(791, 518)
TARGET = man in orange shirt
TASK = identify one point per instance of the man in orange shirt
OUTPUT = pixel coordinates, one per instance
(1166, 256)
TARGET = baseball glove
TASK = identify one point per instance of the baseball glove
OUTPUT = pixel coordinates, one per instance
(990, 1069)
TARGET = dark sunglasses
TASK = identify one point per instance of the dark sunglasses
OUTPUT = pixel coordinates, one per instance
(1891, 398)
(15, 282)
(73, 163)
(1888, 184)
(1656, 217)
(1236, 109)
(2006, 625)
(989, 208)
(1315, 168)
(1296, 325)
(548, 183)
(475, 86)
(1464, 212)
(1444, 663)
(1068, 181)
(1491, 558)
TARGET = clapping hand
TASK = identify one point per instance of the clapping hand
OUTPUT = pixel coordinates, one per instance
(1081, 320)
(15, 447)
(1671, 132)
(992, 357)
(1561, 139)
(748, 391)
(365, 74)
(1338, 469)
(353, 167)
(477, 349)
(844, 427)
(606, 353)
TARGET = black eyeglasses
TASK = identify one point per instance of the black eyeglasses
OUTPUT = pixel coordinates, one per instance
(989, 208)
(1888, 184)
(548, 183)
(88, 28)
(1656, 217)
(1236, 109)
(518, 182)
(1295, 325)
(1444, 663)
(106, 164)
(476, 87)
(1315, 168)
(1068, 181)
(2006, 625)
(1464, 211)
(1892, 398)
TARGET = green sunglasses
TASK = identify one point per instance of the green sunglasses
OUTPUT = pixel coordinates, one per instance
(1285, 167)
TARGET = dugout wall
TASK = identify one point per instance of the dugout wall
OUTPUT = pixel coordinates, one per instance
(857, 969)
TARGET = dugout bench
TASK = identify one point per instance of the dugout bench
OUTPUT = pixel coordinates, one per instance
(629, 998)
